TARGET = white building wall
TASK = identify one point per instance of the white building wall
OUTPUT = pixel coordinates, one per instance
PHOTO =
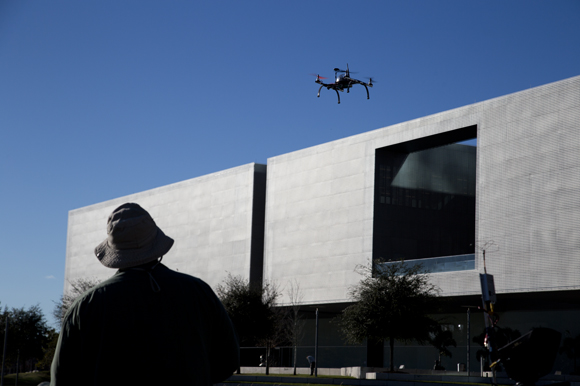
(319, 203)
(529, 188)
(209, 217)
(319, 218)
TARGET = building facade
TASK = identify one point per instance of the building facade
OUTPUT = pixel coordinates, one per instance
(500, 176)
(216, 221)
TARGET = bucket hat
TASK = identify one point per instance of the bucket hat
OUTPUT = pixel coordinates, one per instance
(133, 238)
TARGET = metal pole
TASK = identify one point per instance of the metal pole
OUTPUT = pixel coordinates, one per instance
(316, 347)
(468, 337)
(4, 352)
(17, 366)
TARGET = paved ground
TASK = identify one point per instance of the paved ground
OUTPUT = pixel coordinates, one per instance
(392, 380)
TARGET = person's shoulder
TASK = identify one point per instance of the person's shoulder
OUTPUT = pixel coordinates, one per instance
(90, 296)
(103, 286)
(184, 278)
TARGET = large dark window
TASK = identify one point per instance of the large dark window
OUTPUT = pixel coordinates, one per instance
(425, 198)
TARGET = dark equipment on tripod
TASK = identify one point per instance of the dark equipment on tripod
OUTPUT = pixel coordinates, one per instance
(531, 356)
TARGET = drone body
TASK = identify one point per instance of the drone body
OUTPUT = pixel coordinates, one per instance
(342, 82)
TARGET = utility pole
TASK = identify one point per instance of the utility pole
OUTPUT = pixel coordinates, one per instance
(469, 335)
(17, 366)
(4, 352)
(316, 347)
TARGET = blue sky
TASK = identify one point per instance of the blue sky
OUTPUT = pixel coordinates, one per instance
(100, 99)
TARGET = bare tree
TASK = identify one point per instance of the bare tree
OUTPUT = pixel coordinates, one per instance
(294, 324)
(78, 287)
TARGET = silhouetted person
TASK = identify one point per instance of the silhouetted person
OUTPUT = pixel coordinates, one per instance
(312, 364)
(147, 324)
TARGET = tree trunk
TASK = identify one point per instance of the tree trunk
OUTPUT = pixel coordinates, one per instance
(295, 350)
(392, 344)
(268, 358)
(375, 353)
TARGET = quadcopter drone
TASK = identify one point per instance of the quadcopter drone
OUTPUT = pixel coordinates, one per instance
(342, 82)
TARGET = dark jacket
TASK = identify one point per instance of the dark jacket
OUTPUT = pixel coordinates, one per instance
(122, 332)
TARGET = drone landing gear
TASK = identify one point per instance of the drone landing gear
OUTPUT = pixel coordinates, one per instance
(334, 90)
(368, 97)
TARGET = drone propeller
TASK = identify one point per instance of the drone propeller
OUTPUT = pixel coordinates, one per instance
(371, 81)
(319, 77)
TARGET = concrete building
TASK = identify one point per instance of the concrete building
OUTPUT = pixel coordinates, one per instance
(507, 170)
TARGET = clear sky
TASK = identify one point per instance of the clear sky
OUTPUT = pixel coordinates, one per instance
(100, 99)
